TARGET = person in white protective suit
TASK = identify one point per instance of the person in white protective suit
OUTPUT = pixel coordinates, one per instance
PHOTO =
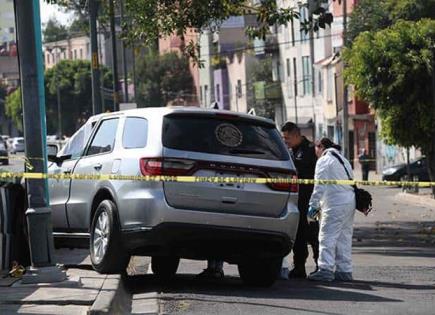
(336, 205)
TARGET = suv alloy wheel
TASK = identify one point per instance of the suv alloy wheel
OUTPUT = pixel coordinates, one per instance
(107, 253)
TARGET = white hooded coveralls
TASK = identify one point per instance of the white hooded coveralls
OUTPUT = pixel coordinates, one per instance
(337, 204)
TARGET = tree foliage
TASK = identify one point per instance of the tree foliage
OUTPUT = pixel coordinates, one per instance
(392, 70)
(375, 15)
(54, 31)
(13, 108)
(73, 77)
(162, 79)
(150, 19)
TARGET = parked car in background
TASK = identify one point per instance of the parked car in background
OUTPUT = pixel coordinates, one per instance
(418, 170)
(251, 225)
(17, 145)
(4, 157)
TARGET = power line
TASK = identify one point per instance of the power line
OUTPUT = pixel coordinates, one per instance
(227, 52)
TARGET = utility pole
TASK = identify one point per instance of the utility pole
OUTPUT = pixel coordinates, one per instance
(38, 215)
(124, 59)
(59, 114)
(133, 65)
(432, 146)
(114, 56)
(95, 69)
(345, 122)
(295, 79)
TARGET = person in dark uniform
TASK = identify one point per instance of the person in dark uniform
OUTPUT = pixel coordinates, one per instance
(364, 160)
(304, 157)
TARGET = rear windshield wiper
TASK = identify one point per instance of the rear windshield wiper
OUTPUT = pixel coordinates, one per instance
(246, 151)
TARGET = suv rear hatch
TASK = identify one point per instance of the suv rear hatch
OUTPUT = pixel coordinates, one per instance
(223, 145)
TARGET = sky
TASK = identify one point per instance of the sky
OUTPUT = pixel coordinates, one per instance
(51, 10)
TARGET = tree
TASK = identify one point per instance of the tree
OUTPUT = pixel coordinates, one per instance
(162, 79)
(54, 31)
(375, 15)
(150, 19)
(13, 108)
(73, 78)
(393, 69)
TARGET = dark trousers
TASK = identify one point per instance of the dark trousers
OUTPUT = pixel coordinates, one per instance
(308, 233)
(365, 173)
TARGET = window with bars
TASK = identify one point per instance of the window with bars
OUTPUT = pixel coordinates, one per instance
(306, 73)
(303, 11)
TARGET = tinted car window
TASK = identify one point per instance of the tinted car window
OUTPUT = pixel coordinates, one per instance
(75, 145)
(135, 133)
(104, 139)
(246, 138)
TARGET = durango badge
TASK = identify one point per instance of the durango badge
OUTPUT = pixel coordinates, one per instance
(229, 135)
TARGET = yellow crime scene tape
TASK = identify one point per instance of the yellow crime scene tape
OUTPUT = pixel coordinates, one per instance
(209, 179)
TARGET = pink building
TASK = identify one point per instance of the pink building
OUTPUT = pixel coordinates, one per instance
(173, 44)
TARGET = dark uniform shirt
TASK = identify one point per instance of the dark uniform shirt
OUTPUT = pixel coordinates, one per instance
(304, 157)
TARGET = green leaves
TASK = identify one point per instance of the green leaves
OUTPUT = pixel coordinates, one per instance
(163, 79)
(13, 108)
(392, 70)
(54, 31)
(73, 78)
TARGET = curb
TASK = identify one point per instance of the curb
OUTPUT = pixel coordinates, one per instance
(113, 298)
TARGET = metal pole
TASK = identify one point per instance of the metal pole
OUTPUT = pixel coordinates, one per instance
(59, 114)
(296, 89)
(95, 67)
(345, 122)
(114, 56)
(38, 214)
(133, 61)
(124, 59)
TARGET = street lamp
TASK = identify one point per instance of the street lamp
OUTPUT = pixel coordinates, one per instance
(58, 49)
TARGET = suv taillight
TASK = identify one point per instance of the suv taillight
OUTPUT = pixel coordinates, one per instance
(166, 167)
(293, 188)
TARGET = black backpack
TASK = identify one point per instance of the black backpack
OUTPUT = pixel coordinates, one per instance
(363, 199)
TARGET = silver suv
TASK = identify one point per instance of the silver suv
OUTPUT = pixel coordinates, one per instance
(252, 225)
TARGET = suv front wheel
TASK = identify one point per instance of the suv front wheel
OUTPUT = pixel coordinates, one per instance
(107, 253)
(260, 272)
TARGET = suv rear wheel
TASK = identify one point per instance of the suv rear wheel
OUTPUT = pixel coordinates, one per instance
(260, 273)
(107, 253)
(164, 266)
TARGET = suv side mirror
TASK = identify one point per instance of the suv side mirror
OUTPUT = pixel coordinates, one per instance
(52, 150)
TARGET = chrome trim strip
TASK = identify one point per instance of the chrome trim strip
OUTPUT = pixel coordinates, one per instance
(72, 235)
(137, 229)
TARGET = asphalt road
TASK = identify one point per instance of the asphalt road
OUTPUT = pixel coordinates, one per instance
(394, 268)
(16, 163)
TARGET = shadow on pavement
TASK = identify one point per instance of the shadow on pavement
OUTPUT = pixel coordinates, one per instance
(397, 234)
(370, 285)
(232, 287)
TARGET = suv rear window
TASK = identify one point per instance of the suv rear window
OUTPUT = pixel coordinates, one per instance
(241, 137)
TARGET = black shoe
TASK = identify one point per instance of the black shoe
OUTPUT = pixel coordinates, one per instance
(210, 273)
(297, 273)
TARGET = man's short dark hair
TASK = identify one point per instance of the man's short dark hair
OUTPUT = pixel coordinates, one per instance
(290, 128)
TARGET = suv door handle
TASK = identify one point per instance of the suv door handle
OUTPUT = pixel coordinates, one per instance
(67, 171)
(98, 166)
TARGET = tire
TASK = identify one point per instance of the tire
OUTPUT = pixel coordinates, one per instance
(260, 273)
(107, 254)
(164, 266)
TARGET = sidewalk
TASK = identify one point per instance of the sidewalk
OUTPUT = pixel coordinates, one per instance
(85, 291)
